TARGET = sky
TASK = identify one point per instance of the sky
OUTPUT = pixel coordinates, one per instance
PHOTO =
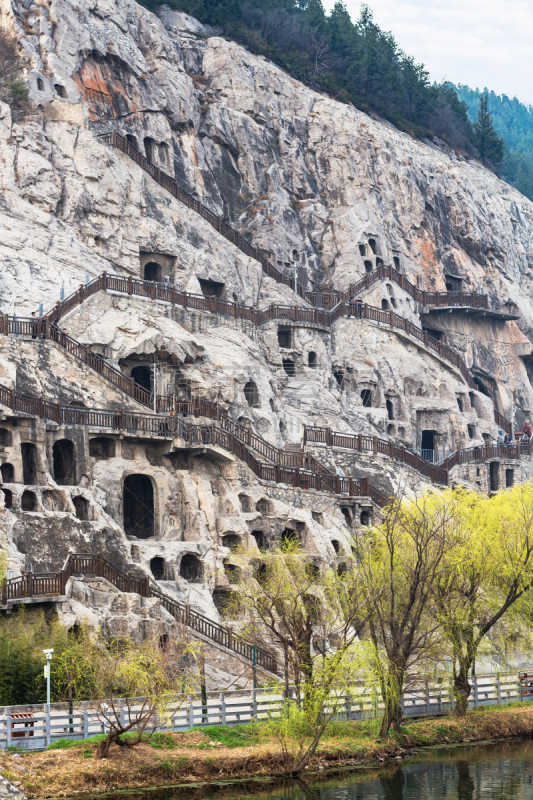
(476, 42)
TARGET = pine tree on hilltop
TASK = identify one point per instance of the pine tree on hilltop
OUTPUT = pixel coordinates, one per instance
(489, 145)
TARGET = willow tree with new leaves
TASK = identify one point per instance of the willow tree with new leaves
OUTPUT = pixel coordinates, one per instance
(397, 564)
(312, 619)
(128, 687)
(486, 574)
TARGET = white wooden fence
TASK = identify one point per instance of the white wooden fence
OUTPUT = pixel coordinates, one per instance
(79, 721)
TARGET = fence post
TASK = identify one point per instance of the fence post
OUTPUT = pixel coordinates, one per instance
(191, 711)
(47, 728)
(375, 444)
(498, 689)
(99, 565)
(222, 709)
(8, 726)
(130, 285)
(254, 704)
(85, 715)
(348, 703)
(475, 692)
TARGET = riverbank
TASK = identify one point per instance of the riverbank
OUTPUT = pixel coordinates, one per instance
(222, 753)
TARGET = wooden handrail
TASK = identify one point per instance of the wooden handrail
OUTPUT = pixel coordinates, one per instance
(426, 298)
(310, 475)
(438, 473)
(171, 185)
(54, 584)
(44, 327)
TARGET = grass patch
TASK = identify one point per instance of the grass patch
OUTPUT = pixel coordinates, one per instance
(234, 735)
(65, 744)
(162, 740)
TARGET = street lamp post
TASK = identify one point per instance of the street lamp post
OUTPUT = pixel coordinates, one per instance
(48, 654)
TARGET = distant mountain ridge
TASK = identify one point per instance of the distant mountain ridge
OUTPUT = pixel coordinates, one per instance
(513, 121)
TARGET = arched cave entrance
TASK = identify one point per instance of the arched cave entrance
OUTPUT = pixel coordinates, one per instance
(366, 397)
(221, 601)
(152, 271)
(191, 568)
(260, 541)
(149, 148)
(427, 445)
(102, 448)
(142, 377)
(64, 462)
(231, 540)
(28, 501)
(81, 507)
(6, 438)
(494, 474)
(289, 538)
(157, 567)
(138, 501)
(8, 497)
(29, 463)
(251, 394)
(8, 473)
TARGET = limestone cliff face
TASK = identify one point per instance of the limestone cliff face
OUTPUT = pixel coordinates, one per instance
(326, 193)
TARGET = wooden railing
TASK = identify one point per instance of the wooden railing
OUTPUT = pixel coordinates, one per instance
(470, 454)
(436, 472)
(471, 299)
(373, 444)
(458, 299)
(46, 326)
(170, 184)
(97, 96)
(54, 584)
(306, 474)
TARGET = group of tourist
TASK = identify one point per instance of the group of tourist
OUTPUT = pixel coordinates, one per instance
(519, 436)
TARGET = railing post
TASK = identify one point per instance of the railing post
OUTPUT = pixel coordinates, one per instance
(8, 727)
(130, 285)
(85, 721)
(99, 565)
(47, 724)
(222, 709)
(191, 711)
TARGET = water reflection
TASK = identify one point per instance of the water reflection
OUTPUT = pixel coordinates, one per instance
(495, 772)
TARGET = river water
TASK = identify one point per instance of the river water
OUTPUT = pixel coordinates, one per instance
(499, 771)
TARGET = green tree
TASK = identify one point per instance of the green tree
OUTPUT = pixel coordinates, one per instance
(486, 573)
(489, 145)
(13, 90)
(397, 564)
(129, 688)
(312, 619)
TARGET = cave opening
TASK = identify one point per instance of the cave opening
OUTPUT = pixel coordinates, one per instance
(64, 462)
(138, 501)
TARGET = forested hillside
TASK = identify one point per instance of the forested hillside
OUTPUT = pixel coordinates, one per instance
(353, 62)
(514, 123)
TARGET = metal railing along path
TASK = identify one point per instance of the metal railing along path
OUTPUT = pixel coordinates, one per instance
(41, 728)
